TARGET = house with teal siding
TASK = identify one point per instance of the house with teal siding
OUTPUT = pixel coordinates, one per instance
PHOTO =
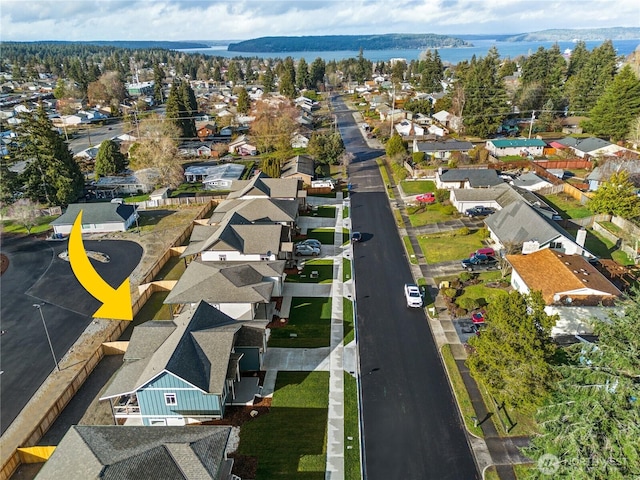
(187, 370)
(516, 146)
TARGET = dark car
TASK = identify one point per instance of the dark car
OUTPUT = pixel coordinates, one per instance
(478, 211)
(356, 237)
(480, 261)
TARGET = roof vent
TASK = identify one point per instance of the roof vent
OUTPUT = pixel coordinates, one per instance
(585, 280)
(585, 273)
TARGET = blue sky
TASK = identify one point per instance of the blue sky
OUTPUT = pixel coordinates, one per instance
(28, 20)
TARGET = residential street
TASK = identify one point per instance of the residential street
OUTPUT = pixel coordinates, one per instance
(411, 424)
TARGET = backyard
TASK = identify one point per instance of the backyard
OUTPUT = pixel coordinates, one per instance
(309, 324)
(567, 206)
(289, 442)
(313, 271)
(415, 187)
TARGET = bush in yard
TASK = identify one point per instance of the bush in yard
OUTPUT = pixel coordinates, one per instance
(442, 195)
(459, 312)
(462, 232)
(450, 292)
(468, 303)
(448, 209)
(482, 302)
(483, 233)
(465, 276)
(418, 157)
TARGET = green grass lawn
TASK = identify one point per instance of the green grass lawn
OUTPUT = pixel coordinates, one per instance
(346, 269)
(509, 423)
(347, 321)
(410, 252)
(603, 247)
(345, 212)
(398, 216)
(289, 442)
(42, 225)
(325, 235)
(446, 248)
(385, 176)
(351, 431)
(462, 396)
(188, 188)
(310, 320)
(137, 198)
(567, 206)
(434, 213)
(524, 470)
(323, 211)
(418, 186)
(481, 291)
(323, 267)
(172, 270)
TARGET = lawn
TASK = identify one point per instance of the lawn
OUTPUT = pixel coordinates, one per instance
(462, 396)
(351, 431)
(347, 321)
(324, 211)
(409, 248)
(309, 322)
(418, 186)
(508, 422)
(153, 309)
(346, 269)
(434, 213)
(603, 248)
(480, 290)
(42, 225)
(567, 206)
(136, 198)
(172, 270)
(289, 442)
(385, 176)
(323, 267)
(345, 212)
(326, 235)
(446, 248)
(188, 189)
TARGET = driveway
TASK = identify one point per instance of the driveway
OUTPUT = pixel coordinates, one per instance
(37, 275)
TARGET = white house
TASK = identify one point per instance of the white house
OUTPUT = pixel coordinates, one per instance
(96, 218)
(516, 146)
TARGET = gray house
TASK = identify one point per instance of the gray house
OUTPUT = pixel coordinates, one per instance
(442, 150)
(602, 173)
(115, 452)
(241, 290)
(467, 178)
(521, 226)
(258, 210)
(97, 218)
(186, 370)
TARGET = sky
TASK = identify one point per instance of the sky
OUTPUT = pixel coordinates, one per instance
(77, 20)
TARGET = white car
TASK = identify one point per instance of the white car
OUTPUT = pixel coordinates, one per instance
(412, 295)
(307, 250)
(312, 242)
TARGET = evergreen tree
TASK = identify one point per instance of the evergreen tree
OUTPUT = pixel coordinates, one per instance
(287, 87)
(589, 82)
(234, 73)
(591, 422)
(316, 74)
(512, 356)
(51, 174)
(158, 78)
(395, 146)
(244, 102)
(302, 75)
(271, 166)
(109, 160)
(268, 81)
(9, 184)
(289, 67)
(363, 68)
(217, 74)
(485, 99)
(617, 107)
(178, 112)
(616, 196)
(543, 73)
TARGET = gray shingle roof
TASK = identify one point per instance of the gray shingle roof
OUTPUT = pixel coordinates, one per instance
(217, 282)
(298, 164)
(518, 222)
(603, 172)
(115, 452)
(257, 210)
(263, 186)
(477, 177)
(197, 351)
(448, 146)
(96, 213)
(529, 179)
(585, 144)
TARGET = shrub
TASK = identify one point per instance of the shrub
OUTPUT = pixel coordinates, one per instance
(448, 209)
(465, 276)
(462, 232)
(483, 233)
(450, 292)
(442, 195)
(468, 303)
(459, 312)
(418, 157)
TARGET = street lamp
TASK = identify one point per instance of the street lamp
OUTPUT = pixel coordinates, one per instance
(39, 307)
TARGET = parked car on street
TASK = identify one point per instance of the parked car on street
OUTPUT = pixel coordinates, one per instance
(356, 237)
(480, 261)
(311, 242)
(307, 251)
(478, 211)
(426, 198)
(412, 295)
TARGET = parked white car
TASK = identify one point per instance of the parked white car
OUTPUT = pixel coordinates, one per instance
(307, 250)
(412, 295)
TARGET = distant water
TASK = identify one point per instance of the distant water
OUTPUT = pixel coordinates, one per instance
(450, 55)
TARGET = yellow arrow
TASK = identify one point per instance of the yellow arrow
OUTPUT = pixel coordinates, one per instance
(116, 303)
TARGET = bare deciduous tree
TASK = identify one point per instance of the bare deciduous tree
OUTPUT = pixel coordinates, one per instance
(25, 212)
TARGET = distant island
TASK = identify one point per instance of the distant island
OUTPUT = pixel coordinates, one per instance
(585, 34)
(332, 43)
(130, 44)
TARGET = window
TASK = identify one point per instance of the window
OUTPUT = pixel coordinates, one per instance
(222, 258)
(170, 399)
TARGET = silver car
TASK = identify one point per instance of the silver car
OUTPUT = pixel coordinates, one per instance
(307, 250)
(312, 242)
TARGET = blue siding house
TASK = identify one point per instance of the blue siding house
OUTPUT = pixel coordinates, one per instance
(187, 370)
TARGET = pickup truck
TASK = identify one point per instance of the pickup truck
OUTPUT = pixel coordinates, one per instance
(478, 211)
(480, 261)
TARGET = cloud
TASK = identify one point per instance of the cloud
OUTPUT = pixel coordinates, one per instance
(209, 20)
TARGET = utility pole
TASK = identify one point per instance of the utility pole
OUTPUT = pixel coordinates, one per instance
(533, 117)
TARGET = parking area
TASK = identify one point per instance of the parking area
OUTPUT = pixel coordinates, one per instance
(36, 275)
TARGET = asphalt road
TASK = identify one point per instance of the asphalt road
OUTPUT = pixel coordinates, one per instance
(94, 135)
(411, 424)
(36, 275)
